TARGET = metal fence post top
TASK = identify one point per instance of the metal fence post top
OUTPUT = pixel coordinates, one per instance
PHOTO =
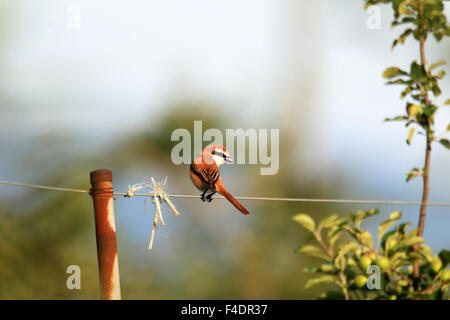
(101, 175)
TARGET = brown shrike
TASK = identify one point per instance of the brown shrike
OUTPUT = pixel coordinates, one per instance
(204, 173)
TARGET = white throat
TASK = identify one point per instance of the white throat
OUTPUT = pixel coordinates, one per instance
(219, 160)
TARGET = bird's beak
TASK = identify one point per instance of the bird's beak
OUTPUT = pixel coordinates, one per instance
(229, 159)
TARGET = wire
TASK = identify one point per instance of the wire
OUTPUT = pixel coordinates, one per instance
(381, 202)
(344, 201)
(37, 186)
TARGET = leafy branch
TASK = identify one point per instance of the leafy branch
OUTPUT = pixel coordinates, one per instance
(345, 265)
(421, 18)
(409, 268)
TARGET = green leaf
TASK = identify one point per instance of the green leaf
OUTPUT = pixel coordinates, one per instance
(401, 39)
(333, 231)
(413, 173)
(346, 248)
(333, 236)
(417, 72)
(413, 110)
(410, 135)
(445, 143)
(306, 221)
(393, 72)
(409, 176)
(395, 5)
(412, 233)
(325, 268)
(398, 81)
(416, 255)
(397, 118)
(326, 222)
(340, 262)
(395, 215)
(313, 251)
(390, 239)
(436, 90)
(437, 64)
(385, 225)
(447, 102)
(398, 257)
(440, 74)
(426, 252)
(438, 35)
(365, 238)
(321, 280)
(405, 92)
(444, 255)
(310, 268)
(403, 9)
(361, 215)
(429, 110)
(401, 228)
(410, 241)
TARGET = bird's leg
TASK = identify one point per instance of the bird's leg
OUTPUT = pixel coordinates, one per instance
(203, 195)
(209, 196)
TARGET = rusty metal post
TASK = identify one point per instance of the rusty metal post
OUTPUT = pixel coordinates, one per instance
(105, 229)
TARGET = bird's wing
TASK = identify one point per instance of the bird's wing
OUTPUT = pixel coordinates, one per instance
(209, 173)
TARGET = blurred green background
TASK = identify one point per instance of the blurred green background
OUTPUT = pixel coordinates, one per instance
(109, 94)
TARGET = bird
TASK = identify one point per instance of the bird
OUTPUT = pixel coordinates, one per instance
(204, 173)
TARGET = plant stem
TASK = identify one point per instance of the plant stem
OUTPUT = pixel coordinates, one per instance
(426, 170)
(344, 285)
(323, 245)
(426, 173)
(426, 187)
(342, 277)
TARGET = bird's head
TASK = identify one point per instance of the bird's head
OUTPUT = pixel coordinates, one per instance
(219, 153)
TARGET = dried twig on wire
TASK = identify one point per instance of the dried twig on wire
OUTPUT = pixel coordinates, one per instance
(157, 193)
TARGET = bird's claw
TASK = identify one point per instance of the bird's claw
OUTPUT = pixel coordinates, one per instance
(209, 197)
(205, 197)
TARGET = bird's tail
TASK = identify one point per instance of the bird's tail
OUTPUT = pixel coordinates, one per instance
(221, 189)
